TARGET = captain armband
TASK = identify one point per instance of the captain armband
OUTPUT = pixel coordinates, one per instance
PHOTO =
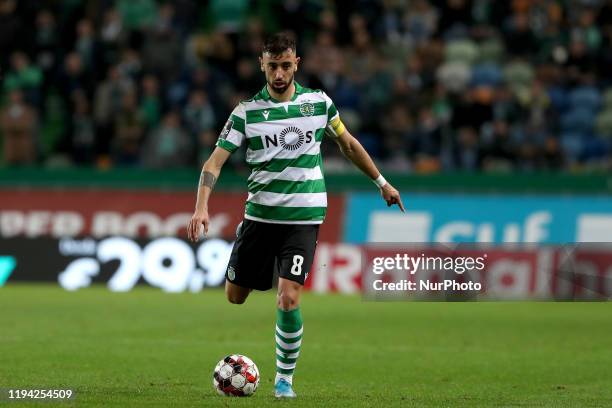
(336, 127)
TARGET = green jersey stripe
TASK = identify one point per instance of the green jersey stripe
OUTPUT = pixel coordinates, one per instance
(290, 173)
(255, 143)
(306, 161)
(289, 200)
(319, 134)
(331, 112)
(285, 213)
(279, 113)
(229, 146)
(238, 123)
(289, 186)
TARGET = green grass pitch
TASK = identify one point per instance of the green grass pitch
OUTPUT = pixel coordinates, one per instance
(155, 349)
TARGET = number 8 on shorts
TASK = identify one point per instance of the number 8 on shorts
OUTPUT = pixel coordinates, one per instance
(298, 261)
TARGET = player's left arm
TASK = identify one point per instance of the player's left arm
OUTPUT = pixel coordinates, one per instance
(355, 152)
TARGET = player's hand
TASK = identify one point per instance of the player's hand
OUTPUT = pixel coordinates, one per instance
(391, 196)
(198, 219)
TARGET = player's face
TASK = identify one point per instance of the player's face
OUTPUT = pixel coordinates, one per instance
(279, 69)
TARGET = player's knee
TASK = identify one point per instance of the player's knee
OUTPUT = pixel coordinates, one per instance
(236, 299)
(287, 301)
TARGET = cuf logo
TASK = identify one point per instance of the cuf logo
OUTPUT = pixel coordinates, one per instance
(307, 109)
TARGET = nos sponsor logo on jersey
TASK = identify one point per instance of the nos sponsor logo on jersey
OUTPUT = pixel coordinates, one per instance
(290, 138)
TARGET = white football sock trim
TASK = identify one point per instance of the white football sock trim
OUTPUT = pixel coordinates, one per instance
(288, 346)
(289, 335)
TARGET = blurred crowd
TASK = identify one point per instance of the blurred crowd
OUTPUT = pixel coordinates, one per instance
(425, 85)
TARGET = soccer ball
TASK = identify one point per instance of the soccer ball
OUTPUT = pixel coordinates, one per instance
(236, 375)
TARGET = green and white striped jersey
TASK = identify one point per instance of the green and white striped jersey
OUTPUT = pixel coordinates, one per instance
(283, 141)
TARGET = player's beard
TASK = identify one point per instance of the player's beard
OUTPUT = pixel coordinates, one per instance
(282, 89)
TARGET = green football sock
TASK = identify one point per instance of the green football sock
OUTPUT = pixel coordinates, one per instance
(289, 331)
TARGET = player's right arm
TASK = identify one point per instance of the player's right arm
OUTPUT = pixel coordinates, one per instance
(230, 139)
(208, 178)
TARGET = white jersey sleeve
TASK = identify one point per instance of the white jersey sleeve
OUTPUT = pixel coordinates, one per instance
(233, 134)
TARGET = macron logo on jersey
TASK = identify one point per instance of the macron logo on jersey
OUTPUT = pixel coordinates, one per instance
(265, 114)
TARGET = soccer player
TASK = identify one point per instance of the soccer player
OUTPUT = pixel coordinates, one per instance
(282, 126)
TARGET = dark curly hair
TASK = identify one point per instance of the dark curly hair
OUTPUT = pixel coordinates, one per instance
(278, 43)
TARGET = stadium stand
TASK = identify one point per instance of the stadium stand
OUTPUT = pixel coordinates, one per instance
(426, 86)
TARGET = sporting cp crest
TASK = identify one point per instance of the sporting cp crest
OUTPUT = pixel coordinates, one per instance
(307, 109)
(231, 273)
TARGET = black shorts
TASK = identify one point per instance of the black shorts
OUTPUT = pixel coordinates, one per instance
(263, 249)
